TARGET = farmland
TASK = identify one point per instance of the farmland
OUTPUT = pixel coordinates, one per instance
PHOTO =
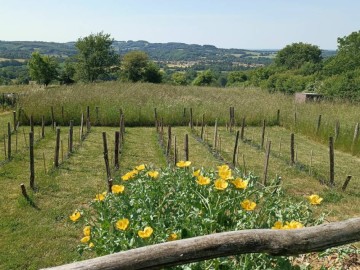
(43, 228)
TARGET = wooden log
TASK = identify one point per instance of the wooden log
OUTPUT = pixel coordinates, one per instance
(266, 165)
(32, 163)
(331, 163)
(274, 242)
(9, 141)
(235, 148)
(57, 148)
(116, 156)
(347, 180)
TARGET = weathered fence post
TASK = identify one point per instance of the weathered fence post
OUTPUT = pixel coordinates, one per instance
(266, 165)
(242, 129)
(332, 164)
(263, 134)
(106, 157)
(88, 126)
(215, 134)
(14, 120)
(175, 152)
(32, 124)
(57, 148)
(292, 149)
(52, 117)
(186, 147)
(337, 129)
(9, 141)
(168, 148)
(191, 119)
(278, 117)
(32, 163)
(235, 148)
(156, 120)
(71, 136)
(42, 127)
(318, 124)
(116, 156)
(202, 127)
(348, 178)
(82, 127)
(355, 138)
(44, 163)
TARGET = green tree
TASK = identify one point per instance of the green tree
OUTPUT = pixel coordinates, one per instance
(179, 78)
(205, 78)
(295, 55)
(96, 57)
(42, 69)
(136, 67)
(67, 73)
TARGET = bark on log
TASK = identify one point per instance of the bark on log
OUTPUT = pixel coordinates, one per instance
(274, 242)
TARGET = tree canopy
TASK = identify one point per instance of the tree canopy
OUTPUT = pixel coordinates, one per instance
(96, 57)
(42, 69)
(297, 54)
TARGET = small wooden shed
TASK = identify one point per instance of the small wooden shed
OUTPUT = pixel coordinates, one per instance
(306, 97)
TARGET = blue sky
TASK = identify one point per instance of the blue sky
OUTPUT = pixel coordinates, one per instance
(247, 24)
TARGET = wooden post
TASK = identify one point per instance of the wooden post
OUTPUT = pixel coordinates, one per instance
(122, 128)
(42, 127)
(32, 163)
(57, 148)
(23, 191)
(348, 178)
(318, 124)
(24, 137)
(278, 117)
(231, 119)
(168, 148)
(202, 127)
(156, 120)
(71, 136)
(116, 156)
(186, 147)
(82, 127)
(332, 164)
(97, 115)
(62, 151)
(292, 149)
(311, 161)
(52, 117)
(5, 146)
(9, 141)
(16, 141)
(162, 132)
(110, 184)
(14, 120)
(62, 115)
(244, 164)
(242, 129)
(32, 124)
(184, 117)
(175, 152)
(295, 119)
(3, 101)
(106, 157)
(88, 119)
(235, 148)
(355, 137)
(191, 119)
(266, 165)
(263, 134)
(215, 135)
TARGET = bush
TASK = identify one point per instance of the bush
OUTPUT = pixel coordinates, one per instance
(153, 206)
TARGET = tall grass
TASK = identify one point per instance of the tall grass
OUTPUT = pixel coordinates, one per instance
(173, 104)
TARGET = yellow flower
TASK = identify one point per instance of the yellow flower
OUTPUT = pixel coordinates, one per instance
(292, 225)
(202, 180)
(140, 167)
(116, 189)
(122, 224)
(87, 231)
(75, 216)
(129, 175)
(100, 197)
(278, 225)
(182, 164)
(153, 174)
(248, 205)
(91, 245)
(172, 237)
(220, 184)
(315, 199)
(196, 173)
(224, 172)
(146, 233)
(239, 183)
(85, 239)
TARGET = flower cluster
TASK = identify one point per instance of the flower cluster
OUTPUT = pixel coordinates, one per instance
(288, 225)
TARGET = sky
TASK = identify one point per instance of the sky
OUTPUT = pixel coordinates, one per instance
(242, 24)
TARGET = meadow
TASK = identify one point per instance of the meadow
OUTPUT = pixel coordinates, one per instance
(43, 228)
